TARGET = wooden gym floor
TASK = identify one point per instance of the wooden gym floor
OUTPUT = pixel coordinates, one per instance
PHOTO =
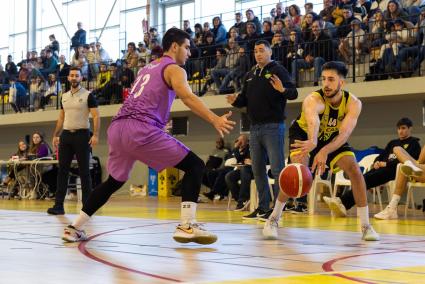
(131, 242)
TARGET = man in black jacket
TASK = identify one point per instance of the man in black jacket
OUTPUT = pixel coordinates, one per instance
(319, 50)
(264, 93)
(384, 167)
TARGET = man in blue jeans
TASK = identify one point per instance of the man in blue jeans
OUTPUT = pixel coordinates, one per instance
(264, 93)
(319, 49)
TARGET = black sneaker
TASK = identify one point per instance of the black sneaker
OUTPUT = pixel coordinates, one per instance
(266, 216)
(300, 209)
(254, 215)
(56, 210)
(288, 207)
(239, 206)
(210, 195)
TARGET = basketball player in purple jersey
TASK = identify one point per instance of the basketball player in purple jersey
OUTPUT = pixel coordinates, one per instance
(137, 133)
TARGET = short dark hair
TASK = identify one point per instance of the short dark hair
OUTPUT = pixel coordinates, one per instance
(265, 42)
(337, 66)
(174, 35)
(75, 68)
(404, 121)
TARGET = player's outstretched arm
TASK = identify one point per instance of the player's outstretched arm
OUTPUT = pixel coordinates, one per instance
(175, 76)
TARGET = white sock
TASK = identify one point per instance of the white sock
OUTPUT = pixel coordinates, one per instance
(188, 212)
(394, 201)
(363, 214)
(81, 220)
(277, 211)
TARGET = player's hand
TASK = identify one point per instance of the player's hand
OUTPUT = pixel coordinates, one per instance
(319, 162)
(93, 140)
(55, 141)
(231, 98)
(302, 147)
(277, 83)
(223, 125)
(168, 126)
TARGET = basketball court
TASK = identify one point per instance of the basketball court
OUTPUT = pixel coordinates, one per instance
(131, 242)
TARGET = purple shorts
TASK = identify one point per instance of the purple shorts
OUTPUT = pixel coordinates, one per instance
(133, 140)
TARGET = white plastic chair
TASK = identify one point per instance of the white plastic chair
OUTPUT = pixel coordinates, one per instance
(253, 193)
(312, 195)
(409, 198)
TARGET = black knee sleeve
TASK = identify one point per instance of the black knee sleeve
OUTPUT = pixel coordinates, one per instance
(100, 195)
(194, 169)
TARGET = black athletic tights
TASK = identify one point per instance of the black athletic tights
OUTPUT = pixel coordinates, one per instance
(192, 165)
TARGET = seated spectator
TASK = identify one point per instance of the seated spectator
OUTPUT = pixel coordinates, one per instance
(51, 64)
(338, 12)
(251, 18)
(289, 27)
(326, 13)
(221, 63)
(144, 53)
(154, 35)
(186, 28)
(267, 31)
(17, 172)
(394, 11)
(54, 46)
(234, 34)
(10, 67)
(319, 49)
(53, 88)
(4, 80)
(278, 27)
(219, 31)
(242, 173)
(345, 28)
(90, 52)
(63, 69)
(411, 170)
(132, 57)
(295, 14)
(294, 50)
(103, 78)
(362, 9)
(384, 167)
(236, 73)
(280, 13)
(101, 54)
(279, 47)
(206, 29)
(17, 95)
(75, 58)
(219, 74)
(306, 31)
(126, 76)
(198, 38)
(36, 92)
(239, 25)
(360, 42)
(250, 39)
(208, 51)
(377, 30)
(156, 53)
(23, 75)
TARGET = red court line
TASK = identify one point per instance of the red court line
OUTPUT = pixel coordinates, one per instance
(82, 248)
(327, 266)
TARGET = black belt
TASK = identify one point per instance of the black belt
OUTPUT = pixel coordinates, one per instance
(76, 130)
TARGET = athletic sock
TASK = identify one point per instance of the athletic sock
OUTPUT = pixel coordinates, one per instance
(81, 220)
(363, 214)
(277, 211)
(394, 201)
(188, 212)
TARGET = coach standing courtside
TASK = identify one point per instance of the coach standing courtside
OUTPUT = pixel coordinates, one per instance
(265, 91)
(76, 106)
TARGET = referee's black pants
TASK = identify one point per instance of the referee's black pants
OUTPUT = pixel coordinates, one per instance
(73, 143)
(373, 178)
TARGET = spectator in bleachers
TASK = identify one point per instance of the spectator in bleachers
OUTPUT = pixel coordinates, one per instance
(101, 54)
(27, 59)
(84, 67)
(54, 46)
(338, 12)
(219, 31)
(290, 27)
(23, 75)
(33, 72)
(242, 173)
(51, 64)
(328, 28)
(278, 26)
(75, 58)
(206, 30)
(90, 52)
(280, 14)
(326, 13)
(219, 74)
(295, 14)
(267, 31)
(308, 7)
(144, 52)
(294, 50)
(220, 64)
(417, 51)
(186, 28)
(345, 27)
(132, 57)
(10, 67)
(126, 76)
(17, 95)
(19, 170)
(63, 69)
(36, 91)
(198, 38)
(53, 88)
(4, 80)
(208, 50)
(394, 11)
(239, 24)
(234, 34)
(362, 9)
(79, 38)
(142, 63)
(153, 32)
(412, 7)
(279, 47)
(146, 39)
(319, 49)
(251, 37)
(236, 73)
(360, 42)
(309, 19)
(34, 56)
(103, 78)
(377, 30)
(385, 165)
(156, 53)
(251, 18)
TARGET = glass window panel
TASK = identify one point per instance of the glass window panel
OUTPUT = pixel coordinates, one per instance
(130, 4)
(18, 44)
(19, 23)
(3, 56)
(188, 13)
(133, 25)
(100, 10)
(172, 17)
(4, 24)
(46, 15)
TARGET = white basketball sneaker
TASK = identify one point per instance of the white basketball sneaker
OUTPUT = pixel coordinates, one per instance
(335, 205)
(388, 213)
(72, 235)
(270, 229)
(369, 234)
(187, 233)
(408, 169)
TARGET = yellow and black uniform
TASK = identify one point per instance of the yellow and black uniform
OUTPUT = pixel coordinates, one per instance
(330, 122)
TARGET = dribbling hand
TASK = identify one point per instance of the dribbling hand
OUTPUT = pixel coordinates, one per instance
(223, 125)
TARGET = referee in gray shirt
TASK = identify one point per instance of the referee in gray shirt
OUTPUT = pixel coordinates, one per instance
(76, 106)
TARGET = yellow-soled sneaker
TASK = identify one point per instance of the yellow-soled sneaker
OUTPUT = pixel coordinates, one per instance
(187, 233)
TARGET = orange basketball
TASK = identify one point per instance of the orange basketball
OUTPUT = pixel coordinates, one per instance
(295, 180)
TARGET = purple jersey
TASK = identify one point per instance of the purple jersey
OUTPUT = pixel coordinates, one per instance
(150, 98)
